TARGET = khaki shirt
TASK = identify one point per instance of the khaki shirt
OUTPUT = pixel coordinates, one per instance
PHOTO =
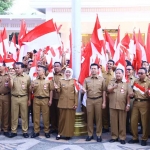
(118, 98)
(42, 87)
(94, 86)
(4, 84)
(145, 84)
(20, 84)
(56, 78)
(131, 80)
(108, 77)
(68, 96)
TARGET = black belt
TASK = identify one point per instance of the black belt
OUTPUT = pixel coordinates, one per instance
(2, 94)
(40, 97)
(18, 95)
(141, 100)
(94, 97)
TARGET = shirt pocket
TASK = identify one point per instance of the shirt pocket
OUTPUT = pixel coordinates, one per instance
(46, 86)
(24, 84)
(1, 82)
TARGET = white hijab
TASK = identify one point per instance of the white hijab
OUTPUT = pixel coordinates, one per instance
(68, 69)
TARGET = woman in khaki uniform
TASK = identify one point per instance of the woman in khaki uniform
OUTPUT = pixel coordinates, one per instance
(67, 104)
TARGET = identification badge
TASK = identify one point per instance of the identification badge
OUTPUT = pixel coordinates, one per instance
(6, 84)
(122, 90)
(23, 85)
(45, 87)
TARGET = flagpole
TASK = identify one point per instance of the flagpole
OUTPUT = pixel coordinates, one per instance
(80, 126)
(76, 40)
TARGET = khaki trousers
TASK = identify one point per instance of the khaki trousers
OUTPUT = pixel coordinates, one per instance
(142, 109)
(19, 105)
(94, 108)
(118, 123)
(54, 111)
(41, 105)
(105, 115)
(4, 112)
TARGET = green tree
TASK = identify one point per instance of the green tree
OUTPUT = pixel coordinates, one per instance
(4, 5)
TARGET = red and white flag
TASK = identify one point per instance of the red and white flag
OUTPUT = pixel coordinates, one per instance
(121, 64)
(33, 70)
(50, 69)
(42, 36)
(5, 43)
(13, 48)
(139, 88)
(142, 47)
(22, 33)
(109, 42)
(1, 46)
(85, 66)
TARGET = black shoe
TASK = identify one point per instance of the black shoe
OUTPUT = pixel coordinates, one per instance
(113, 140)
(25, 135)
(105, 130)
(89, 138)
(34, 135)
(6, 134)
(53, 131)
(122, 141)
(99, 139)
(58, 137)
(47, 135)
(12, 135)
(133, 141)
(143, 143)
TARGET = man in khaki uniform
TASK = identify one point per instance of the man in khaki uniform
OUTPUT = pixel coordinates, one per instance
(42, 90)
(119, 104)
(140, 107)
(95, 88)
(4, 100)
(108, 76)
(131, 79)
(20, 99)
(54, 111)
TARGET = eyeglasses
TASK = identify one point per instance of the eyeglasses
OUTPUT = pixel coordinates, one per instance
(141, 73)
(128, 69)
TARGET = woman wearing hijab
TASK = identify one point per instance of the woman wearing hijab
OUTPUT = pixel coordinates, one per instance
(67, 104)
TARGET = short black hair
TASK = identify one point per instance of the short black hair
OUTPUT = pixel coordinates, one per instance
(94, 64)
(3, 63)
(144, 62)
(30, 61)
(57, 63)
(34, 51)
(120, 70)
(128, 62)
(44, 68)
(144, 69)
(20, 63)
(130, 66)
(110, 60)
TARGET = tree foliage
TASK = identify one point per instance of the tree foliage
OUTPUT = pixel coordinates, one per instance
(4, 5)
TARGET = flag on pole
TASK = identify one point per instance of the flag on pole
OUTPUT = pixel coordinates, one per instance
(42, 36)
